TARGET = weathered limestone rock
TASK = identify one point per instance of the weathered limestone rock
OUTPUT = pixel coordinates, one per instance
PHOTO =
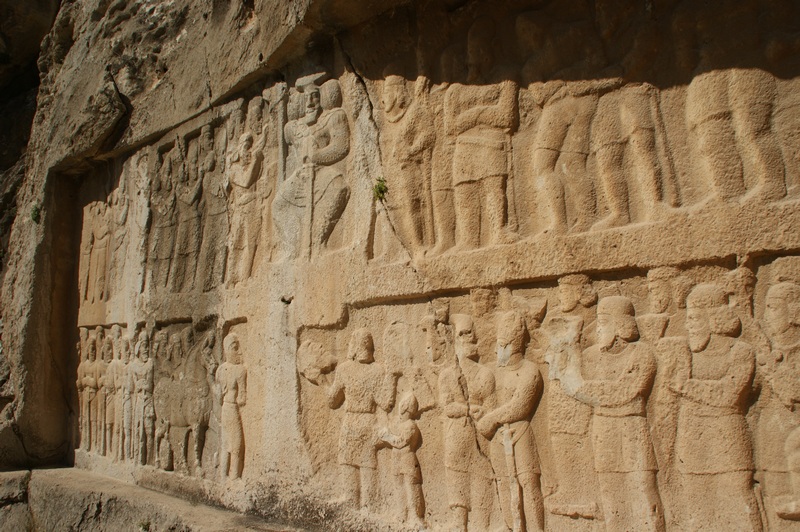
(522, 265)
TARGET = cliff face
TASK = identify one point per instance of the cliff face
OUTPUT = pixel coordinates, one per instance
(469, 263)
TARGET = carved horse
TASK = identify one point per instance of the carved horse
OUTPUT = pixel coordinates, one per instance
(183, 402)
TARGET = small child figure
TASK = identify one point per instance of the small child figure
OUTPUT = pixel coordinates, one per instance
(406, 440)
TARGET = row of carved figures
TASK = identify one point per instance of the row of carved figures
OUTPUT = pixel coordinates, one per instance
(144, 396)
(215, 198)
(645, 414)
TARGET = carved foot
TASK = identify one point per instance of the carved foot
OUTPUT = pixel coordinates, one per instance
(789, 510)
(611, 221)
(581, 225)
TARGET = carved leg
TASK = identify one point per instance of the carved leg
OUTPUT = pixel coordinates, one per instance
(443, 219)
(468, 215)
(647, 171)
(581, 189)
(716, 141)
(368, 487)
(753, 122)
(328, 212)
(533, 503)
(791, 508)
(550, 189)
(496, 211)
(350, 484)
(415, 505)
(610, 164)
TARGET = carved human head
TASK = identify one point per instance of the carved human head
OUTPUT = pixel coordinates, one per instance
(160, 345)
(232, 348)
(464, 341)
(575, 289)
(116, 331)
(107, 352)
(143, 347)
(510, 337)
(91, 351)
(659, 287)
(782, 308)
(408, 406)
(245, 145)
(394, 97)
(309, 87)
(175, 347)
(83, 332)
(362, 348)
(479, 49)
(708, 313)
(616, 320)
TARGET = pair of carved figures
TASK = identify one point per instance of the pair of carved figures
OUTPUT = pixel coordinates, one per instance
(104, 246)
(144, 408)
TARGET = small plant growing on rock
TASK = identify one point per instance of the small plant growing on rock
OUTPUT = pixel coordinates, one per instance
(36, 213)
(379, 189)
(144, 526)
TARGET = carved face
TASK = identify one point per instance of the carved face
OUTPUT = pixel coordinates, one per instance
(568, 296)
(108, 350)
(91, 349)
(394, 98)
(606, 329)
(143, 349)
(233, 353)
(776, 315)
(509, 338)
(659, 291)
(697, 325)
(313, 105)
(479, 59)
(465, 343)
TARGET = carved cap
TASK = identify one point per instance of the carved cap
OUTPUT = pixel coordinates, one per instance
(707, 295)
(616, 305)
(310, 81)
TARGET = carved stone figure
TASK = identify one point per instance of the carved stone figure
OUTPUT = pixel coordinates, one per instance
(309, 204)
(405, 438)
(438, 332)
(187, 239)
(774, 436)
(90, 387)
(480, 117)
(466, 391)
(231, 377)
(214, 204)
(119, 206)
(568, 419)
(362, 386)
(615, 379)
(161, 241)
(407, 141)
(98, 257)
(513, 453)
(713, 450)
(141, 374)
(115, 379)
(729, 110)
(243, 170)
(84, 392)
(106, 395)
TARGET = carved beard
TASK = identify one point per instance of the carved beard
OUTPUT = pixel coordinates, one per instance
(699, 340)
(312, 115)
(464, 350)
(606, 339)
(395, 109)
(504, 355)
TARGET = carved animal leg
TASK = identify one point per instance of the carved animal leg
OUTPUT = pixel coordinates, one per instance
(573, 166)
(496, 211)
(550, 189)
(443, 216)
(716, 141)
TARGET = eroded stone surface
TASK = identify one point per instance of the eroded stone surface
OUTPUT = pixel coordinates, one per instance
(456, 265)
